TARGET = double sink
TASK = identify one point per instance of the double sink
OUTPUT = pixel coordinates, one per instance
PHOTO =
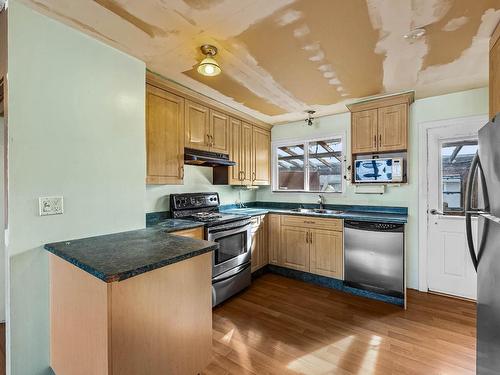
(317, 211)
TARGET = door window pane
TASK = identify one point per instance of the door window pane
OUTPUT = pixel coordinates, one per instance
(325, 165)
(456, 158)
(291, 167)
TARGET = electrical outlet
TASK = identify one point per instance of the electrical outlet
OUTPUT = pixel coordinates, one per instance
(50, 205)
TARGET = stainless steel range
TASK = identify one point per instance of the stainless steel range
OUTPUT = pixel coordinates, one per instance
(231, 261)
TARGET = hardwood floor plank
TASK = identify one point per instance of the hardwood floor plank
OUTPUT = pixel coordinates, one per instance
(285, 326)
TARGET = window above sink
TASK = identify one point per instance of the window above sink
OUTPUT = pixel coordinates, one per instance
(308, 165)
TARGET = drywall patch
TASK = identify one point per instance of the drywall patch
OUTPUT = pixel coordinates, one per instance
(318, 50)
(455, 23)
(114, 7)
(447, 46)
(288, 17)
(403, 59)
(202, 4)
(472, 65)
(231, 88)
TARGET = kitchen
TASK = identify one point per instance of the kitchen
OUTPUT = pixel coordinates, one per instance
(302, 312)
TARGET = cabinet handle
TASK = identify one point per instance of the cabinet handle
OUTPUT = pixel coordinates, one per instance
(379, 140)
(253, 176)
(182, 173)
(375, 140)
(240, 175)
(307, 237)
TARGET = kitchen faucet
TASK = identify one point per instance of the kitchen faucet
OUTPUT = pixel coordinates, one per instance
(321, 201)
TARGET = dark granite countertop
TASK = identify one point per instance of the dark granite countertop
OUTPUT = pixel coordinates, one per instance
(371, 213)
(175, 225)
(119, 256)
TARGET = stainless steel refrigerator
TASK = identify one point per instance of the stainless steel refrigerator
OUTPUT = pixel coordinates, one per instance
(485, 169)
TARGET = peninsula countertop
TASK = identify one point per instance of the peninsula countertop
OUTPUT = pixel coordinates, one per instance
(119, 256)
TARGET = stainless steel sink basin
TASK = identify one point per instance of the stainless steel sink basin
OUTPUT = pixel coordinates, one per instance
(317, 211)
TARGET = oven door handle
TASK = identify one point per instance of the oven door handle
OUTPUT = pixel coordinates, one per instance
(228, 231)
(230, 274)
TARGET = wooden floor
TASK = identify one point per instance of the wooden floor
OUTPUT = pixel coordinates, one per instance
(283, 326)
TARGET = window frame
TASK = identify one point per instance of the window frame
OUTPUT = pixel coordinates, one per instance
(443, 142)
(305, 141)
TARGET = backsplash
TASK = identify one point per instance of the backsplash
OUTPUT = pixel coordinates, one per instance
(196, 179)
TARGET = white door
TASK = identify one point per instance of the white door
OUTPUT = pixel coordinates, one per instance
(450, 150)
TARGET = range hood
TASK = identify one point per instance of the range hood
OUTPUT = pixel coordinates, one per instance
(206, 158)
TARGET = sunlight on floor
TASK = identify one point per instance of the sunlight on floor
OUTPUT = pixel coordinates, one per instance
(327, 359)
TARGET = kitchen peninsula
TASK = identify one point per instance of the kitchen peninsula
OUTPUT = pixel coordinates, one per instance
(137, 302)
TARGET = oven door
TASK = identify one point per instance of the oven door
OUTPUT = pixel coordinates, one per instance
(234, 246)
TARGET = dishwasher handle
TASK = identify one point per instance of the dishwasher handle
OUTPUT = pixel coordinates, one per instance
(374, 226)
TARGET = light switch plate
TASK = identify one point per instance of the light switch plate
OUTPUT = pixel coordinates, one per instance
(50, 206)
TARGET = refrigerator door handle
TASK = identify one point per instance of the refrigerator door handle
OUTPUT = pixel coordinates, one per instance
(468, 209)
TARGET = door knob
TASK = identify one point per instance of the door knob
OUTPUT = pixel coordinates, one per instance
(435, 212)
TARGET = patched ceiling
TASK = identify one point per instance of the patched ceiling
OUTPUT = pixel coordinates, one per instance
(282, 57)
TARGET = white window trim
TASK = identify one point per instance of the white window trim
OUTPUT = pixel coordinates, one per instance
(290, 141)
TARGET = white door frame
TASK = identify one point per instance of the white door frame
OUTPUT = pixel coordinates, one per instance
(424, 127)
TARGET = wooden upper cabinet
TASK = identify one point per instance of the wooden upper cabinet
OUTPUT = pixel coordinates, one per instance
(164, 137)
(495, 72)
(326, 256)
(364, 131)
(219, 132)
(393, 128)
(261, 156)
(380, 125)
(235, 131)
(197, 126)
(246, 153)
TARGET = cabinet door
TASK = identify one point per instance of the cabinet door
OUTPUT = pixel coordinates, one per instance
(261, 156)
(197, 126)
(495, 73)
(164, 137)
(274, 238)
(246, 153)
(235, 151)
(219, 132)
(294, 249)
(364, 131)
(264, 241)
(327, 253)
(393, 128)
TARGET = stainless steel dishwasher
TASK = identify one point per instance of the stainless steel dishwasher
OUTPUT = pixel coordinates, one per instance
(374, 257)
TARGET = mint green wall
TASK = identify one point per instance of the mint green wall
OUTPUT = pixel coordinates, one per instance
(196, 179)
(76, 129)
(467, 103)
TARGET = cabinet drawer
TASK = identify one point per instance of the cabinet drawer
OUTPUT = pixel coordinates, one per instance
(312, 222)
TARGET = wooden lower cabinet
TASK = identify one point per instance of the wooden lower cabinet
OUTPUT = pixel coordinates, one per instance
(326, 253)
(274, 227)
(307, 244)
(259, 242)
(196, 233)
(294, 248)
(159, 322)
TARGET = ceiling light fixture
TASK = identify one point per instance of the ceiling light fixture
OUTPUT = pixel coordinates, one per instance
(415, 34)
(208, 66)
(309, 120)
